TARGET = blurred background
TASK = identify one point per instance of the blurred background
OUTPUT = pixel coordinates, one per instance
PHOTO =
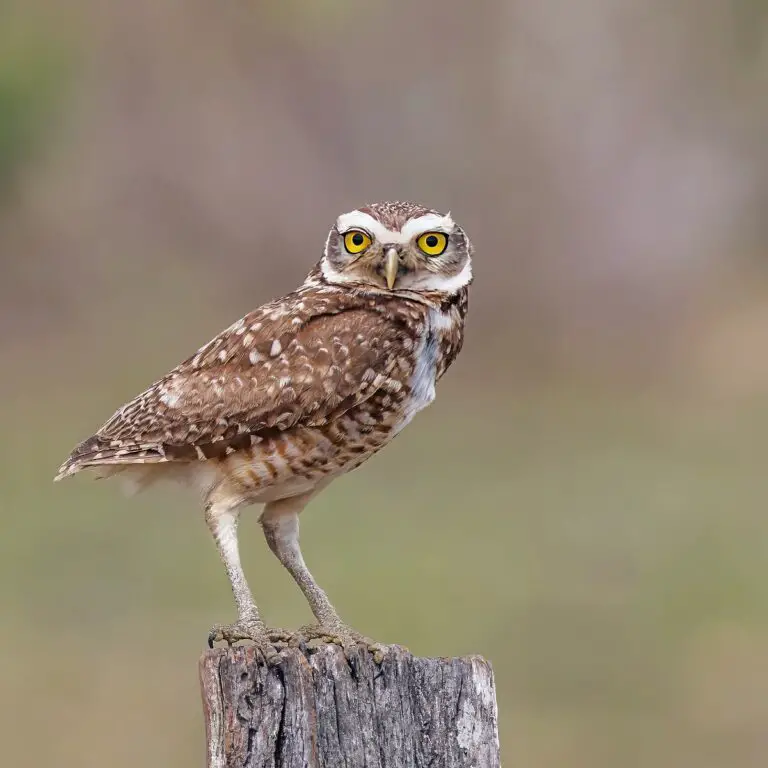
(585, 502)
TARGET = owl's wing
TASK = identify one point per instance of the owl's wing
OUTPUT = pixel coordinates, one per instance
(298, 362)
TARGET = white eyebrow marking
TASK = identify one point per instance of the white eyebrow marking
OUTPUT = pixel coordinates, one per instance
(429, 222)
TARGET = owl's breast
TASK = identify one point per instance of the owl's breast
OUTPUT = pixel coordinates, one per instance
(430, 362)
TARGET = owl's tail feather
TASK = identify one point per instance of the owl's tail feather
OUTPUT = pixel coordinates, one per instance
(96, 452)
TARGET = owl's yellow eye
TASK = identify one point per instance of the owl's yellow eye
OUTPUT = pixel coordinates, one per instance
(356, 241)
(433, 243)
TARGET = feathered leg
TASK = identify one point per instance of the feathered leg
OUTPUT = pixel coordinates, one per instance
(222, 521)
(280, 521)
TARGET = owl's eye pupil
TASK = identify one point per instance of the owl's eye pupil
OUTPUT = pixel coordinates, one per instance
(432, 241)
(357, 239)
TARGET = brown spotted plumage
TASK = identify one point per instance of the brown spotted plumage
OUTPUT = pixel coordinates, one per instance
(301, 390)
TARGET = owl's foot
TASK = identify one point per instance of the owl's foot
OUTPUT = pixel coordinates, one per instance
(254, 631)
(339, 634)
(281, 638)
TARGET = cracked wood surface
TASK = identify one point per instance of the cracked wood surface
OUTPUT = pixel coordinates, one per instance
(320, 708)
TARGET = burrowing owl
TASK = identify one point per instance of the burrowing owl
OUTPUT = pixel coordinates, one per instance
(301, 390)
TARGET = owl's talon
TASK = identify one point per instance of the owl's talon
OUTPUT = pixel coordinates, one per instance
(216, 634)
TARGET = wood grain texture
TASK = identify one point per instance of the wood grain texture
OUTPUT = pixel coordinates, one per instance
(320, 708)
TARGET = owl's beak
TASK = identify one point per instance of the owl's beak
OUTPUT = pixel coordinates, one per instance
(391, 265)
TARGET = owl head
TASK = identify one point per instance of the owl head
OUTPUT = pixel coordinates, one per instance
(398, 247)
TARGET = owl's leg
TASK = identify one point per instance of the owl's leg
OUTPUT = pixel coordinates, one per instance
(280, 521)
(222, 521)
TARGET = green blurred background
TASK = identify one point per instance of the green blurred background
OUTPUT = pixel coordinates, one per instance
(585, 502)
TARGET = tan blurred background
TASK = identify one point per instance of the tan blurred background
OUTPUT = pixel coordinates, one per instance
(584, 504)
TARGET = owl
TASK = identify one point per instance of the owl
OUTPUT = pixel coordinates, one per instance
(300, 391)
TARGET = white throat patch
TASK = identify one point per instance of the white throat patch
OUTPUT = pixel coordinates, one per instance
(430, 282)
(333, 275)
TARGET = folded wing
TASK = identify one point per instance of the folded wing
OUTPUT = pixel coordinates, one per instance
(300, 362)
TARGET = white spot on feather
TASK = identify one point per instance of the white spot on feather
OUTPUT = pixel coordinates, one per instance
(169, 399)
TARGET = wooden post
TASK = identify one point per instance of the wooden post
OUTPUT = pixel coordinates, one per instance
(322, 708)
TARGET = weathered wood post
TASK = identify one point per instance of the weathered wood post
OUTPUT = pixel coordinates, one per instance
(322, 708)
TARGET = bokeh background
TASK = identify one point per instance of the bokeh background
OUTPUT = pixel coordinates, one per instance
(585, 502)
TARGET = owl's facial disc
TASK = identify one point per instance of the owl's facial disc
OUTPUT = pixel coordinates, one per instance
(398, 247)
